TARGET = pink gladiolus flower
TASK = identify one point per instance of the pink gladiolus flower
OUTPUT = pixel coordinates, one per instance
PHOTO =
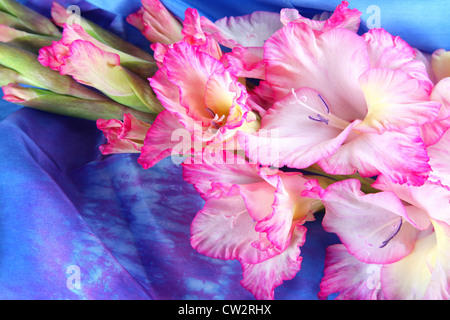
(202, 99)
(254, 216)
(342, 17)
(342, 100)
(95, 64)
(412, 260)
(192, 34)
(156, 23)
(376, 228)
(54, 56)
(123, 137)
(247, 34)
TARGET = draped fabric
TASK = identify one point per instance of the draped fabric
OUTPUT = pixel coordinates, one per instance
(78, 225)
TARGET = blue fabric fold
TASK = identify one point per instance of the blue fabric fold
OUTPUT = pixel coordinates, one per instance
(78, 225)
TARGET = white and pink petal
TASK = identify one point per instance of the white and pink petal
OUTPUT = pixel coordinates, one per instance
(297, 132)
(395, 101)
(250, 30)
(351, 278)
(406, 162)
(223, 229)
(297, 56)
(262, 278)
(376, 230)
(163, 140)
(423, 274)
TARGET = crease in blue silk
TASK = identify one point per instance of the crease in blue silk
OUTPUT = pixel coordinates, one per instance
(78, 225)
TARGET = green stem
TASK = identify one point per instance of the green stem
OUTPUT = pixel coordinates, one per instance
(366, 183)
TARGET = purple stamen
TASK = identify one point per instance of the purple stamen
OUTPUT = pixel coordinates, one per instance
(385, 242)
(325, 104)
(216, 125)
(211, 112)
(321, 119)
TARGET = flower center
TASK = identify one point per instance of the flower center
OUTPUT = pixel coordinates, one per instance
(385, 242)
(217, 121)
(322, 116)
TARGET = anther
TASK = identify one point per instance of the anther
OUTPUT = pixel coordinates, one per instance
(321, 119)
(325, 104)
(385, 242)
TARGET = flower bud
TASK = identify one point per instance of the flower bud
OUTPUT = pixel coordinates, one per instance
(94, 67)
(440, 63)
(28, 67)
(74, 32)
(123, 137)
(61, 17)
(21, 39)
(156, 23)
(66, 105)
(28, 18)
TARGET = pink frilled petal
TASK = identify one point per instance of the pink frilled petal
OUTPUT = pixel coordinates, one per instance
(166, 92)
(234, 170)
(114, 130)
(406, 161)
(441, 94)
(53, 56)
(395, 101)
(133, 128)
(156, 23)
(342, 17)
(246, 36)
(439, 160)
(189, 69)
(92, 66)
(388, 51)
(423, 274)
(287, 203)
(59, 14)
(223, 229)
(159, 50)
(288, 15)
(247, 31)
(192, 28)
(350, 277)
(297, 131)
(262, 278)
(195, 35)
(433, 131)
(375, 228)
(169, 95)
(160, 141)
(329, 62)
(246, 63)
(432, 198)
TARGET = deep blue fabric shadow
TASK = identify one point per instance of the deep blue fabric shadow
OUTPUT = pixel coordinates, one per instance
(77, 225)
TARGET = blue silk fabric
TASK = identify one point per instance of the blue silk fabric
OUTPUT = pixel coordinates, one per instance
(78, 225)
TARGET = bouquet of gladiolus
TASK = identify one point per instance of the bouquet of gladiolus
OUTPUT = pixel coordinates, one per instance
(273, 118)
